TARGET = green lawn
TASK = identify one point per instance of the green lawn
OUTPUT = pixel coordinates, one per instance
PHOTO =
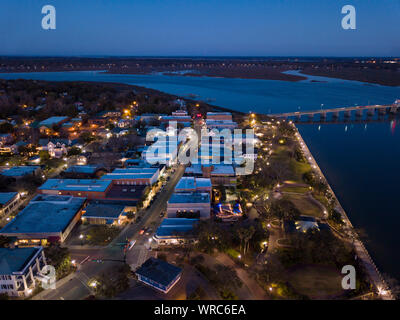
(305, 206)
(232, 253)
(316, 281)
(297, 169)
(295, 189)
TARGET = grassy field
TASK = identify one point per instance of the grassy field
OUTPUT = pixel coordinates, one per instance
(297, 169)
(295, 189)
(305, 206)
(316, 281)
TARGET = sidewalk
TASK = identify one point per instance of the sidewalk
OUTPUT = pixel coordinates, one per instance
(373, 272)
(59, 283)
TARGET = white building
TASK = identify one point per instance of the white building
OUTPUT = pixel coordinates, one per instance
(20, 270)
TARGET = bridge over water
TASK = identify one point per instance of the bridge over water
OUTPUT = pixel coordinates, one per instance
(336, 112)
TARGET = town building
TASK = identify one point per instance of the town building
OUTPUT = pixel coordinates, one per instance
(8, 149)
(6, 138)
(133, 176)
(46, 219)
(57, 148)
(20, 270)
(158, 274)
(83, 172)
(105, 212)
(46, 126)
(8, 201)
(189, 205)
(88, 188)
(166, 153)
(193, 184)
(221, 124)
(174, 231)
(19, 172)
(219, 116)
(220, 174)
(179, 117)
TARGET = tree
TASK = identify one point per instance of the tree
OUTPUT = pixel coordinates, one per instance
(74, 151)
(60, 258)
(130, 215)
(113, 282)
(4, 241)
(198, 294)
(87, 137)
(284, 210)
(6, 128)
(4, 296)
(245, 234)
(44, 155)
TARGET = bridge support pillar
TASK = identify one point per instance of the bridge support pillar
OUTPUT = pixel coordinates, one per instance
(347, 114)
(359, 113)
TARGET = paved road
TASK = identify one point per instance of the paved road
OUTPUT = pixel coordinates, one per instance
(76, 288)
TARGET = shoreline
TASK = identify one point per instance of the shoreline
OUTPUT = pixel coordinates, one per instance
(371, 269)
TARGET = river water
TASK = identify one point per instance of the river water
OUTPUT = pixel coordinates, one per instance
(360, 161)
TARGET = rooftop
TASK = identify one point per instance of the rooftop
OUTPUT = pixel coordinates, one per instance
(194, 197)
(219, 113)
(159, 271)
(6, 197)
(76, 185)
(131, 173)
(99, 209)
(52, 120)
(15, 260)
(125, 192)
(45, 213)
(175, 226)
(19, 171)
(218, 169)
(82, 169)
(193, 183)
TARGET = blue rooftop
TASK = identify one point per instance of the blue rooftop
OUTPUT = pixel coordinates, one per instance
(102, 210)
(82, 169)
(130, 173)
(15, 260)
(19, 171)
(6, 197)
(159, 271)
(52, 120)
(76, 185)
(173, 226)
(191, 183)
(45, 213)
(195, 197)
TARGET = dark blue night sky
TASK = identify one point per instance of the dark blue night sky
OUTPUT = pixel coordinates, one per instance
(201, 27)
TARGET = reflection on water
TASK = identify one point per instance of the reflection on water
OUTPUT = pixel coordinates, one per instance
(360, 161)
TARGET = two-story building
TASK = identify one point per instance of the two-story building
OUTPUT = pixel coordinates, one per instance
(20, 270)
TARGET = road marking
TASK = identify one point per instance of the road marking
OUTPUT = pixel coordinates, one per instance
(84, 260)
